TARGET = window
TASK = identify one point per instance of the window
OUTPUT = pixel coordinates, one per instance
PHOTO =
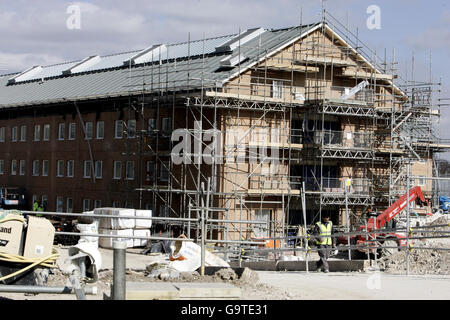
(86, 204)
(60, 168)
(61, 131)
(69, 205)
(23, 133)
(150, 170)
(2, 166)
(151, 125)
(148, 206)
(2, 134)
(35, 167)
(262, 230)
(98, 169)
(46, 132)
(100, 130)
(22, 167)
(277, 89)
(89, 130)
(116, 204)
(421, 181)
(117, 170)
(164, 172)
(131, 129)
(166, 124)
(70, 168)
(44, 202)
(97, 204)
(118, 129)
(130, 170)
(37, 132)
(44, 168)
(59, 204)
(14, 134)
(87, 168)
(13, 167)
(128, 204)
(72, 131)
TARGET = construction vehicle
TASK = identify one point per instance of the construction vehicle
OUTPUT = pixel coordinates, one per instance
(390, 241)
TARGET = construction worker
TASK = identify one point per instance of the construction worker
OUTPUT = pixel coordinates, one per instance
(37, 207)
(324, 241)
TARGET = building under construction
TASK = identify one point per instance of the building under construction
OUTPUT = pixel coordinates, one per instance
(263, 116)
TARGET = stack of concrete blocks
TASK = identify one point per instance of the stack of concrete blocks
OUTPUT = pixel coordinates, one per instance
(126, 227)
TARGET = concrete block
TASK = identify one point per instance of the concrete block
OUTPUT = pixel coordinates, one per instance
(208, 290)
(151, 291)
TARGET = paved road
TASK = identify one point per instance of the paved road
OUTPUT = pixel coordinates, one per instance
(351, 286)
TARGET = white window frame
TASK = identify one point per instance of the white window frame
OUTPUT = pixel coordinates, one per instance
(60, 168)
(86, 205)
(131, 134)
(59, 201)
(118, 124)
(23, 133)
(97, 204)
(100, 125)
(166, 124)
(262, 230)
(97, 165)
(89, 172)
(35, 168)
(72, 131)
(14, 133)
(61, 131)
(277, 89)
(151, 125)
(44, 201)
(13, 167)
(22, 167)
(89, 127)
(45, 168)
(117, 170)
(37, 132)
(127, 173)
(2, 134)
(70, 165)
(69, 209)
(46, 136)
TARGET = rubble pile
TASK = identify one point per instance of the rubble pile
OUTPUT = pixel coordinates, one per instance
(420, 262)
(423, 261)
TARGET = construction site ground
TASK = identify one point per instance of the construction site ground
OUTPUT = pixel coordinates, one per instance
(286, 285)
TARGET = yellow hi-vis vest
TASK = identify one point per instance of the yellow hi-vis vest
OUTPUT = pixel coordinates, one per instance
(325, 234)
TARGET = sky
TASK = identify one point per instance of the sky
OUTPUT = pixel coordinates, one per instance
(44, 32)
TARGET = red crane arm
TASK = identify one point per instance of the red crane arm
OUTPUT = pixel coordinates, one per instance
(398, 206)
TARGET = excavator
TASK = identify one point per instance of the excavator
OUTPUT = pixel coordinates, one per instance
(388, 240)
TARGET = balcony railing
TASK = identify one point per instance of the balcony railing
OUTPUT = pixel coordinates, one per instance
(333, 139)
(357, 186)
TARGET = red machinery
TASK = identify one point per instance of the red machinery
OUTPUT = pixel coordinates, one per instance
(388, 239)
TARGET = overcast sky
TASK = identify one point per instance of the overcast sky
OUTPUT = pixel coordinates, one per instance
(36, 33)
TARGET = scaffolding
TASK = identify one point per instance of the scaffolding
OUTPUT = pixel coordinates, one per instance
(322, 112)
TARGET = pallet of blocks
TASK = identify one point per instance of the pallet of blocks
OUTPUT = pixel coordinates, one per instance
(126, 227)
